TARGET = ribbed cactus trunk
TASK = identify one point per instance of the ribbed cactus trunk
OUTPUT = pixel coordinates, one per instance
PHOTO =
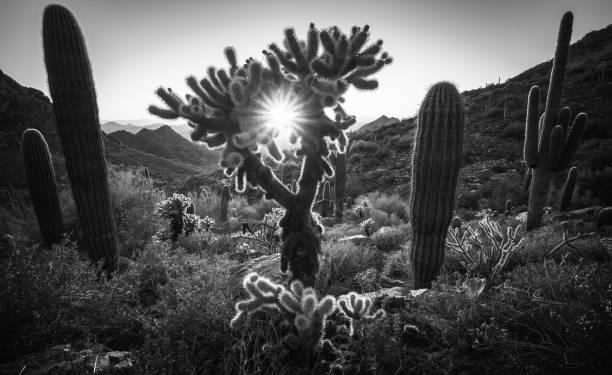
(76, 113)
(225, 198)
(550, 141)
(435, 166)
(340, 185)
(568, 189)
(42, 185)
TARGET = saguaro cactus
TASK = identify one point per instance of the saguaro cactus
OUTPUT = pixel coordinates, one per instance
(568, 189)
(550, 141)
(225, 198)
(76, 112)
(340, 185)
(42, 185)
(435, 165)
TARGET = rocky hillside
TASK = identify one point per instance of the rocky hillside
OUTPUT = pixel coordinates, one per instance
(170, 157)
(114, 126)
(495, 129)
(166, 143)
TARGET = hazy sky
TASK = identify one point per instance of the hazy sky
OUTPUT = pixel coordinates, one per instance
(137, 45)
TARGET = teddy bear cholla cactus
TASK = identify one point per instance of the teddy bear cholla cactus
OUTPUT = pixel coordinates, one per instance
(358, 309)
(177, 208)
(299, 305)
(231, 107)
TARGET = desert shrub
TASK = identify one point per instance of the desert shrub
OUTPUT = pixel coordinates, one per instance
(514, 130)
(598, 128)
(397, 264)
(390, 238)
(495, 192)
(341, 230)
(54, 296)
(340, 263)
(364, 147)
(390, 204)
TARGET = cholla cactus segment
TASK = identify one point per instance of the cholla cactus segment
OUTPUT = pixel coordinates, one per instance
(366, 226)
(274, 217)
(177, 204)
(263, 294)
(358, 308)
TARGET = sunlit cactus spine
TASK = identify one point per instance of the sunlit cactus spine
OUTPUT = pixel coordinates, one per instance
(226, 112)
(76, 113)
(435, 166)
(358, 309)
(550, 141)
(568, 189)
(40, 177)
(225, 198)
(299, 305)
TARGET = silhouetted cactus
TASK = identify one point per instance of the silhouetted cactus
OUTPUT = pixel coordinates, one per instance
(225, 198)
(340, 186)
(568, 189)
(42, 185)
(227, 112)
(550, 141)
(435, 165)
(76, 113)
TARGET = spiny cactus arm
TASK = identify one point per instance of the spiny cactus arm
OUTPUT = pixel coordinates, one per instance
(574, 136)
(261, 175)
(557, 78)
(530, 151)
(568, 189)
(263, 294)
(459, 243)
(42, 185)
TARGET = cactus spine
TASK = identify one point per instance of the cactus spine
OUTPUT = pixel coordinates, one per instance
(42, 185)
(340, 185)
(568, 189)
(76, 112)
(225, 198)
(550, 142)
(435, 165)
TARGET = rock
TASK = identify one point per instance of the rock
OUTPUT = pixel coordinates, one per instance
(358, 239)
(63, 359)
(267, 265)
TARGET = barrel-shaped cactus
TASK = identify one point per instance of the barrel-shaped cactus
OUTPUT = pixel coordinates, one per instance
(340, 185)
(225, 198)
(42, 185)
(76, 113)
(568, 189)
(550, 140)
(435, 166)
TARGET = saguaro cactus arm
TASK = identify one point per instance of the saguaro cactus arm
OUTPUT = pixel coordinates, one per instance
(42, 185)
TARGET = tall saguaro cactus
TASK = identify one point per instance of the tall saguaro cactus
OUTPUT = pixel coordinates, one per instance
(435, 166)
(550, 141)
(568, 189)
(340, 185)
(76, 113)
(42, 185)
(225, 198)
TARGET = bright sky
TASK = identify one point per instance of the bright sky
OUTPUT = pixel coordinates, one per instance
(137, 45)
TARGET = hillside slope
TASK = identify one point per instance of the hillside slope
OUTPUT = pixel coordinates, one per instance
(494, 129)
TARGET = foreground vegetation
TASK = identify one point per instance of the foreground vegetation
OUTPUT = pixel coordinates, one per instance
(170, 304)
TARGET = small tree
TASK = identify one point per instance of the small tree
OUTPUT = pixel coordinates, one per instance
(243, 109)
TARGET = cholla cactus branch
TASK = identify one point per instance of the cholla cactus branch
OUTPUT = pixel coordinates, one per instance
(357, 309)
(227, 108)
(487, 248)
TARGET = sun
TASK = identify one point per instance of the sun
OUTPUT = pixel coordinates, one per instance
(281, 112)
